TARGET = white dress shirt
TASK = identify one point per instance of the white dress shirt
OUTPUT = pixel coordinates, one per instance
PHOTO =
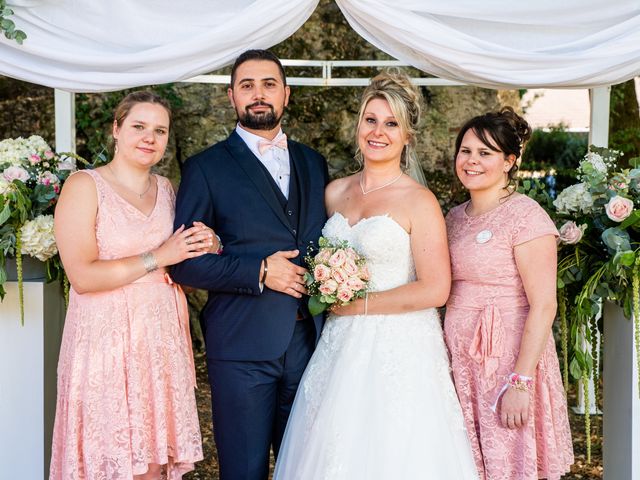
(275, 160)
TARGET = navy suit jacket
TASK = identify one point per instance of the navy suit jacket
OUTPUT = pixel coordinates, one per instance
(227, 188)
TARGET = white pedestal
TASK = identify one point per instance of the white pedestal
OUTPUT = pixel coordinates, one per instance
(28, 361)
(621, 420)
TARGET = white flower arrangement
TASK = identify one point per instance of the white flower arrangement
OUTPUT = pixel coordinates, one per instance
(38, 239)
(574, 199)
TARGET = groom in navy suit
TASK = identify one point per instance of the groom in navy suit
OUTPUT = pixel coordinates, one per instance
(264, 196)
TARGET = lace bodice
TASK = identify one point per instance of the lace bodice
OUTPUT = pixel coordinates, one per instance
(383, 242)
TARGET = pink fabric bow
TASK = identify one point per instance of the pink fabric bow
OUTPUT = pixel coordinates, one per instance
(487, 343)
(280, 141)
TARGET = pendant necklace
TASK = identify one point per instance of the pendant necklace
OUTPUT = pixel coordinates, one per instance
(365, 192)
(140, 195)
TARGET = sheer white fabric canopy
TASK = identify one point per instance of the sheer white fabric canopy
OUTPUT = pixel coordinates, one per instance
(98, 46)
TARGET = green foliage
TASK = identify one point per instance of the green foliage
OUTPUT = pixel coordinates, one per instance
(7, 26)
(556, 149)
(624, 120)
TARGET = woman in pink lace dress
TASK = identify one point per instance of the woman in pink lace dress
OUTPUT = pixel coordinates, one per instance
(126, 404)
(501, 308)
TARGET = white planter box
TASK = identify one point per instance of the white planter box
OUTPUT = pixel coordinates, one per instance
(621, 403)
(28, 361)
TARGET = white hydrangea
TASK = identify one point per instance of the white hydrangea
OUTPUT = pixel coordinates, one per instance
(596, 161)
(38, 239)
(15, 151)
(574, 199)
(4, 185)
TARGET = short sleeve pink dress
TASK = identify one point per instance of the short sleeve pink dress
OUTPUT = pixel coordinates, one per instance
(125, 374)
(484, 322)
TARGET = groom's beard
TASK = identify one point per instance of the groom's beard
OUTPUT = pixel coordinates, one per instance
(259, 121)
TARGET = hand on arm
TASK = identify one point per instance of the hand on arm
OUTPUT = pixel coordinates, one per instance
(75, 219)
(536, 261)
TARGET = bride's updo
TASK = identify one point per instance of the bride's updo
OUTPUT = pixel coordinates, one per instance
(405, 102)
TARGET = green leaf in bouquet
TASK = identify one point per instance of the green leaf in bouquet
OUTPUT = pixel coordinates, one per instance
(308, 278)
(316, 307)
(5, 214)
(560, 284)
(574, 368)
(626, 258)
(616, 239)
(632, 219)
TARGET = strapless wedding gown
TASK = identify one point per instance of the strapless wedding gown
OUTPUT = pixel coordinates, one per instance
(377, 400)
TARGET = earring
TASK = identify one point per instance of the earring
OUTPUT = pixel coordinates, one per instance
(115, 145)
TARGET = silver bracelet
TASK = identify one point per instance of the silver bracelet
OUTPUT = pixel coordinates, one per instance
(149, 262)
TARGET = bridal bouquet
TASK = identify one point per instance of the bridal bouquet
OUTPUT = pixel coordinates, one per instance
(337, 274)
(31, 176)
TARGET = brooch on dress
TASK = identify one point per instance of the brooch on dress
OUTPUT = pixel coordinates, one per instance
(484, 236)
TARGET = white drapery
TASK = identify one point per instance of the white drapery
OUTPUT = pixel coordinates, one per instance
(502, 43)
(96, 45)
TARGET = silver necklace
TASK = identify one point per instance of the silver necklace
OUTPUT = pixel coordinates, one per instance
(140, 195)
(365, 192)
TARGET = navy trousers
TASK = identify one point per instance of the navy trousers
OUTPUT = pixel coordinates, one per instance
(251, 403)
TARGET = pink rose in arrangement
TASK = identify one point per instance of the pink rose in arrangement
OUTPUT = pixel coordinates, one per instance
(619, 208)
(339, 275)
(345, 294)
(15, 173)
(350, 267)
(33, 159)
(364, 273)
(355, 284)
(338, 258)
(328, 287)
(335, 275)
(322, 272)
(570, 233)
(49, 154)
(48, 178)
(323, 256)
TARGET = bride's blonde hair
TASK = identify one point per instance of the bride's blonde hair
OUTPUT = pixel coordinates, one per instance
(405, 102)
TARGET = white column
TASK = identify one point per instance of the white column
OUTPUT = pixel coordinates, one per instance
(599, 131)
(65, 104)
(28, 360)
(621, 420)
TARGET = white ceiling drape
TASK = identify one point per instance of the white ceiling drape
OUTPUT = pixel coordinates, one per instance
(97, 45)
(505, 43)
(103, 45)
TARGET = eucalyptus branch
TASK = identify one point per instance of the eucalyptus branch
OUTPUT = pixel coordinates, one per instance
(8, 26)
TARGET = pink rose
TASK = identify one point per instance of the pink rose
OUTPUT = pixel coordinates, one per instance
(328, 287)
(570, 233)
(350, 267)
(338, 258)
(355, 284)
(339, 275)
(619, 208)
(344, 294)
(351, 253)
(48, 178)
(321, 273)
(33, 159)
(15, 173)
(363, 273)
(49, 154)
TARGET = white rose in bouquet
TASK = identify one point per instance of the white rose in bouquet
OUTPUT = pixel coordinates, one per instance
(38, 239)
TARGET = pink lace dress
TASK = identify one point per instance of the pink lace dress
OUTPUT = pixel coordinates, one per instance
(125, 374)
(484, 323)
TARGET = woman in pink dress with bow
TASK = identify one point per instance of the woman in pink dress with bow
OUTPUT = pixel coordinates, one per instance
(501, 308)
(126, 405)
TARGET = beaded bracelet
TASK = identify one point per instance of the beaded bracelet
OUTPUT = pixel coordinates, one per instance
(519, 382)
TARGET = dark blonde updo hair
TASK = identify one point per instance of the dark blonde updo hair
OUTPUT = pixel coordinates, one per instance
(127, 103)
(405, 102)
(502, 131)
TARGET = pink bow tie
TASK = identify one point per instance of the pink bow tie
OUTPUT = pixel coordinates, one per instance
(280, 141)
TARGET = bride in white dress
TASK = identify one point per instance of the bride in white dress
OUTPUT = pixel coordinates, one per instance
(377, 400)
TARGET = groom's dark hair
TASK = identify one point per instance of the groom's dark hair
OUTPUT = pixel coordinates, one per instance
(257, 55)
